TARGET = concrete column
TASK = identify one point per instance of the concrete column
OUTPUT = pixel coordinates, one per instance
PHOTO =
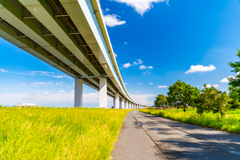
(129, 105)
(123, 103)
(102, 92)
(126, 104)
(78, 95)
(116, 101)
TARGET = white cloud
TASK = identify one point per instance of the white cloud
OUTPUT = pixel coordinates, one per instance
(125, 83)
(49, 99)
(150, 83)
(225, 80)
(125, 43)
(141, 6)
(61, 91)
(143, 99)
(139, 61)
(127, 65)
(150, 67)
(111, 20)
(115, 55)
(140, 83)
(201, 68)
(142, 67)
(107, 9)
(47, 83)
(43, 73)
(162, 86)
(146, 72)
(210, 85)
(3, 70)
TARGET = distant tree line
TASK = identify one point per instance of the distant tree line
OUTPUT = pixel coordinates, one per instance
(208, 99)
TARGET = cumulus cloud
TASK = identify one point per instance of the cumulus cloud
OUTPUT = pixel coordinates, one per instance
(112, 20)
(150, 83)
(144, 99)
(141, 6)
(143, 67)
(127, 65)
(225, 80)
(115, 55)
(3, 70)
(210, 85)
(162, 86)
(200, 68)
(139, 61)
(150, 67)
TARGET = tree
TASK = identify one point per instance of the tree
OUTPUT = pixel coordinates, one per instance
(234, 95)
(182, 94)
(212, 99)
(161, 101)
(169, 101)
(235, 81)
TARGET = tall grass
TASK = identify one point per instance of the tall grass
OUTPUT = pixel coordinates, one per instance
(58, 133)
(230, 123)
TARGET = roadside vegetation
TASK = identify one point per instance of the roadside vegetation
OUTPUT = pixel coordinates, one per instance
(230, 123)
(209, 106)
(58, 133)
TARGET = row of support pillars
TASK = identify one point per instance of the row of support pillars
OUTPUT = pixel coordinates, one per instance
(78, 97)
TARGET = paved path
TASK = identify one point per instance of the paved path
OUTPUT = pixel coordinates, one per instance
(146, 137)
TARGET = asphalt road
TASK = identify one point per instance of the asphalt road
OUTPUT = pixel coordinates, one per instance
(145, 136)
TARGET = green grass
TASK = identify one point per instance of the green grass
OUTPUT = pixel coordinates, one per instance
(58, 133)
(230, 123)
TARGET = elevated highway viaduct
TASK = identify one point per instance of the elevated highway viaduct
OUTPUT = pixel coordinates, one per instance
(71, 36)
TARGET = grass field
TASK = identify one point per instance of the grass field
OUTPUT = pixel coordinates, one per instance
(230, 123)
(58, 133)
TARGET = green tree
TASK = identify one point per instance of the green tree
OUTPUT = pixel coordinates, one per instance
(182, 94)
(169, 101)
(161, 101)
(213, 100)
(235, 81)
(234, 95)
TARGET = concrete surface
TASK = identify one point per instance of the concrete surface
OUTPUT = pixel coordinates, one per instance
(146, 136)
(134, 143)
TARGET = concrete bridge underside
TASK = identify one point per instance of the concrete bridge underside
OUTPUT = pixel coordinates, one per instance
(71, 36)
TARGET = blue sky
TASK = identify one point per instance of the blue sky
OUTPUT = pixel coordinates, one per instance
(156, 42)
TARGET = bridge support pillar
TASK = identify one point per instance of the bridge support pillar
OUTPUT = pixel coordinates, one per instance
(129, 105)
(78, 93)
(116, 101)
(102, 92)
(123, 104)
(126, 103)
